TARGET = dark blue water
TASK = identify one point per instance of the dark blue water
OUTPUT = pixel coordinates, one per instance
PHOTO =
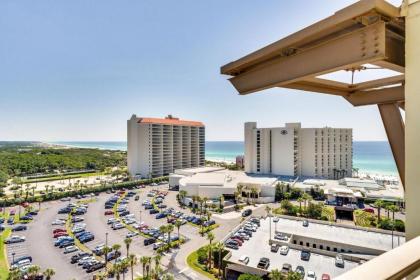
(368, 156)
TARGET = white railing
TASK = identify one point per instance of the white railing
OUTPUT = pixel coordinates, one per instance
(402, 262)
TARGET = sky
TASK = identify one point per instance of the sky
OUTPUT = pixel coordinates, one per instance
(77, 70)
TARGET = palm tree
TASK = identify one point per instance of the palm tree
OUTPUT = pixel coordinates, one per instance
(157, 258)
(194, 199)
(148, 264)
(210, 238)
(254, 193)
(127, 243)
(220, 247)
(209, 216)
(178, 224)
(169, 230)
(117, 268)
(116, 248)
(143, 261)
(168, 276)
(33, 271)
(379, 204)
(132, 259)
(306, 197)
(49, 273)
(100, 276)
(300, 200)
(182, 195)
(14, 274)
(239, 189)
(106, 250)
(275, 274)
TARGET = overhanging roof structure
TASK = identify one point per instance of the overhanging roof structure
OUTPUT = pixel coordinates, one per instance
(367, 32)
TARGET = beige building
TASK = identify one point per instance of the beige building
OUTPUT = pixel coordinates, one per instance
(296, 151)
(156, 147)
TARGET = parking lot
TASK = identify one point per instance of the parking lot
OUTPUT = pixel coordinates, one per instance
(258, 247)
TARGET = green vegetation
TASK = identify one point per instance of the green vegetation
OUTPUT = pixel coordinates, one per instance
(4, 267)
(26, 158)
(247, 276)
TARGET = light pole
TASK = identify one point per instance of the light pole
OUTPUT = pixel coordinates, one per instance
(140, 216)
(13, 258)
(275, 224)
(106, 251)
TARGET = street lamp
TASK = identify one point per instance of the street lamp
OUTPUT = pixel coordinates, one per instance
(106, 251)
(13, 258)
(140, 216)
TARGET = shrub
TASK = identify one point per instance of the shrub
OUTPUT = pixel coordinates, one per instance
(247, 276)
(314, 210)
(202, 254)
(399, 225)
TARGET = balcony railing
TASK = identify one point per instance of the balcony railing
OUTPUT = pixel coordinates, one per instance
(402, 262)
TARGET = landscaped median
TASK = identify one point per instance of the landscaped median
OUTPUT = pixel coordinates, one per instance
(4, 264)
(199, 260)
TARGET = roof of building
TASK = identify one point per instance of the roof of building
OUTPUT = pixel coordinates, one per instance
(169, 121)
(228, 179)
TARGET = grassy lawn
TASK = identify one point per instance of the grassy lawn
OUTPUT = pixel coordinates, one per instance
(192, 261)
(4, 266)
(62, 177)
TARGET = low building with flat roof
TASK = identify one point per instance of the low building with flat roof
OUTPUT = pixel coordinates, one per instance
(225, 183)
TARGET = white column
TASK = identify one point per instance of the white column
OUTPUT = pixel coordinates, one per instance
(412, 119)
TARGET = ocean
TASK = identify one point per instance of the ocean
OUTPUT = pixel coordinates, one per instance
(372, 157)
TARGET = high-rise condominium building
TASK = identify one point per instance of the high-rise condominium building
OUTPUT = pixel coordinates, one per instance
(156, 147)
(295, 151)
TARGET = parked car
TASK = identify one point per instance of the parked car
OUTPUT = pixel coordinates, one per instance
(305, 223)
(311, 275)
(95, 266)
(109, 212)
(286, 268)
(305, 255)
(161, 216)
(232, 246)
(284, 250)
(264, 263)
(301, 270)
(20, 228)
(275, 247)
(209, 223)
(280, 236)
(75, 258)
(58, 223)
(70, 249)
(14, 239)
(131, 234)
(246, 213)
(22, 258)
(149, 241)
(60, 233)
(244, 259)
(117, 226)
(325, 276)
(339, 261)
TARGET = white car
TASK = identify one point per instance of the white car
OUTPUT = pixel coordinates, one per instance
(70, 249)
(117, 226)
(244, 259)
(339, 261)
(58, 223)
(111, 221)
(131, 234)
(284, 250)
(310, 275)
(276, 219)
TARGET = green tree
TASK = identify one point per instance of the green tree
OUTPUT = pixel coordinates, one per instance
(127, 242)
(210, 238)
(132, 259)
(49, 273)
(379, 204)
(247, 276)
(275, 274)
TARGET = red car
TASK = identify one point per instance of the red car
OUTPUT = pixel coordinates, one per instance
(325, 277)
(109, 212)
(57, 230)
(369, 210)
(237, 240)
(58, 234)
(12, 212)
